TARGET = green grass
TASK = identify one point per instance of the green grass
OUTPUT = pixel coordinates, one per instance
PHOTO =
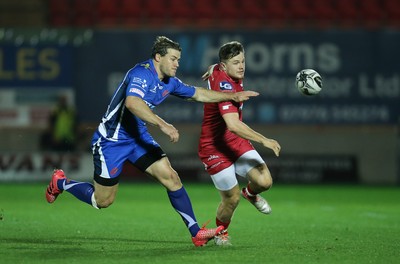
(309, 224)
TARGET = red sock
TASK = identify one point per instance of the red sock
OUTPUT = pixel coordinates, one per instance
(220, 223)
(250, 191)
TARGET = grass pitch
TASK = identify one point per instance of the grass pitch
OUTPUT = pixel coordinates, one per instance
(309, 224)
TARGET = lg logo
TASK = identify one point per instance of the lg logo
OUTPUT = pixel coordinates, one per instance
(225, 86)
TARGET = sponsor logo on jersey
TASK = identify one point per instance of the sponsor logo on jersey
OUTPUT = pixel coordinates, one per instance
(226, 107)
(145, 65)
(165, 93)
(114, 171)
(211, 157)
(216, 164)
(139, 82)
(137, 91)
(157, 86)
(151, 106)
(225, 86)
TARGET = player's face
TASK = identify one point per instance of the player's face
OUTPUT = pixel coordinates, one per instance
(169, 63)
(235, 67)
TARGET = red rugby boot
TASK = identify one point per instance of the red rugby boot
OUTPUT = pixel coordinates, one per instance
(52, 190)
(204, 235)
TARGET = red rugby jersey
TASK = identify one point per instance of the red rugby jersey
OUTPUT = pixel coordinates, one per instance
(214, 132)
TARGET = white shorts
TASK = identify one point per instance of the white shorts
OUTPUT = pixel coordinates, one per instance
(226, 179)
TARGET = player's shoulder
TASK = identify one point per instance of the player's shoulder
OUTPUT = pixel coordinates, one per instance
(221, 81)
(142, 71)
(143, 68)
(218, 74)
(145, 65)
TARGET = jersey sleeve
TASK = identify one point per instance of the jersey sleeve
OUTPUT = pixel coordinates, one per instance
(138, 84)
(183, 90)
(219, 84)
(228, 107)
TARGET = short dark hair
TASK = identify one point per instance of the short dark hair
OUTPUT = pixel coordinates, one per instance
(162, 44)
(230, 50)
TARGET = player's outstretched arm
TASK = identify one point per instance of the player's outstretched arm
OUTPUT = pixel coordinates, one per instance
(209, 96)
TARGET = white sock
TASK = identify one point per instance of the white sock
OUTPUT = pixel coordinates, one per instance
(94, 204)
(248, 193)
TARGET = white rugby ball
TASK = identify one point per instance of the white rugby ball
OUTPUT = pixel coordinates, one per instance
(309, 82)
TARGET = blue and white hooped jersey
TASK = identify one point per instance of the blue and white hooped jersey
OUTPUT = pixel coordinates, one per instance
(141, 81)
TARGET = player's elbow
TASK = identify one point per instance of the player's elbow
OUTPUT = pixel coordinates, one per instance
(233, 128)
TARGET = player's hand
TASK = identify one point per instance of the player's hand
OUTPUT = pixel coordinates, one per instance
(243, 96)
(273, 145)
(208, 72)
(170, 131)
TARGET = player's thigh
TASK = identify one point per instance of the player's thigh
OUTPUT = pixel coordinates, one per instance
(225, 179)
(163, 172)
(251, 166)
(247, 161)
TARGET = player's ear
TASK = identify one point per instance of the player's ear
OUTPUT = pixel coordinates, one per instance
(157, 57)
(223, 66)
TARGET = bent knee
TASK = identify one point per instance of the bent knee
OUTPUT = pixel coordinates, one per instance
(265, 181)
(267, 184)
(235, 201)
(170, 179)
(104, 202)
(104, 196)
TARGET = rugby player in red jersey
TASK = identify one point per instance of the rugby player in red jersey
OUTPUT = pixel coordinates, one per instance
(225, 148)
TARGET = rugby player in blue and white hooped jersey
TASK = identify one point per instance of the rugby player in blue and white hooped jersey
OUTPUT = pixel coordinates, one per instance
(123, 136)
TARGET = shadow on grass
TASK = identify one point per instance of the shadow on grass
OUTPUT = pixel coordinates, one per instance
(85, 246)
(105, 250)
(77, 241)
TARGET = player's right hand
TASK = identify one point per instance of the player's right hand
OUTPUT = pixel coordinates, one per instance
(273, 145)
(243, 96)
